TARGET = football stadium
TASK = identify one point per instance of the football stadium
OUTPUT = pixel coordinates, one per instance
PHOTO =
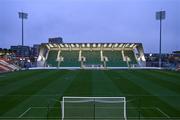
(90, 81)
(104, 60)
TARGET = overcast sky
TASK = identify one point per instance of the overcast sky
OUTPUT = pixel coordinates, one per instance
(91, 21)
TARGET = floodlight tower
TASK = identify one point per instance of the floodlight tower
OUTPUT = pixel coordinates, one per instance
(160, 15)
(23, 16)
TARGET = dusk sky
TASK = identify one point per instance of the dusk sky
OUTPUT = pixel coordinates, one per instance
(91, 21)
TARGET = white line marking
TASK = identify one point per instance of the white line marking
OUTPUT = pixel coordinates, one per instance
(129, 108)
(43, 107)
(162, 112)
(24, 112)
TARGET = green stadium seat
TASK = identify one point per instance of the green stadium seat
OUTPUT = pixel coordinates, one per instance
(92, 57)
(115, 59)
(131, 55)
(51, 60)
(70, 59)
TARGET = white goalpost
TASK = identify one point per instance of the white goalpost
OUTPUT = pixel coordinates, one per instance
(94, 108)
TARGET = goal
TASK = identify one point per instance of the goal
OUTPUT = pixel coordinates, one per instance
(94, 108)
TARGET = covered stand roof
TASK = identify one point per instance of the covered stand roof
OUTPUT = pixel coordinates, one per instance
(91, 45)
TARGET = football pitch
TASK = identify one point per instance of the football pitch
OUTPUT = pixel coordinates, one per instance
(37, 94)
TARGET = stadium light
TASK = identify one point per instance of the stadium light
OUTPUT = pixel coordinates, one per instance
(115, 45)
(55, 45)
(110, 45)
(160, 15)
(105, 45)
(72, 45)
(83, 45)
(51, 45)
(88, 45)
(134, 46)
(127, 45)
(47, 45)
(99, 45)
(94, 45)
(66, 45)
(23, 16)
(120, 45)
(131, 45)
(77, 45)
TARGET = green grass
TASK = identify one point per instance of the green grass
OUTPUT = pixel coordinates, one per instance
(35, 94)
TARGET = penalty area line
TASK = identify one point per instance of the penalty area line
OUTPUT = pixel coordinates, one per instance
(24, 112)
(162, 112)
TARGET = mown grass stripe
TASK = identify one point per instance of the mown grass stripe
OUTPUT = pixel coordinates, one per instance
(17, 77)
(159, 80)
(20, 82)
(127, 87)
(103, 86)
(162, 101)
(165, 77)
(39, 90)
(34, 87)
(54, 92)
(81, 85)
(175, 74)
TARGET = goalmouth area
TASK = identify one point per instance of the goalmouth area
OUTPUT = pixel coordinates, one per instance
(93, 108)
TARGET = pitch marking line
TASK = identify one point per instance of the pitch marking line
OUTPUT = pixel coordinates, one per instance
(24, 112)
(162, 112)
(158, 109)
(44, 107)
(34, 108)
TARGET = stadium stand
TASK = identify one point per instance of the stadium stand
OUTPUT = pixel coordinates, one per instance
(130, 54)
(52, 58)
(84, 55)
(115, 59)
(6, 67)
(3, 69)
(70, 59)
(92, 58)
(178, 67)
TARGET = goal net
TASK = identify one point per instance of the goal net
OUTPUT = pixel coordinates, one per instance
(92, 108)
